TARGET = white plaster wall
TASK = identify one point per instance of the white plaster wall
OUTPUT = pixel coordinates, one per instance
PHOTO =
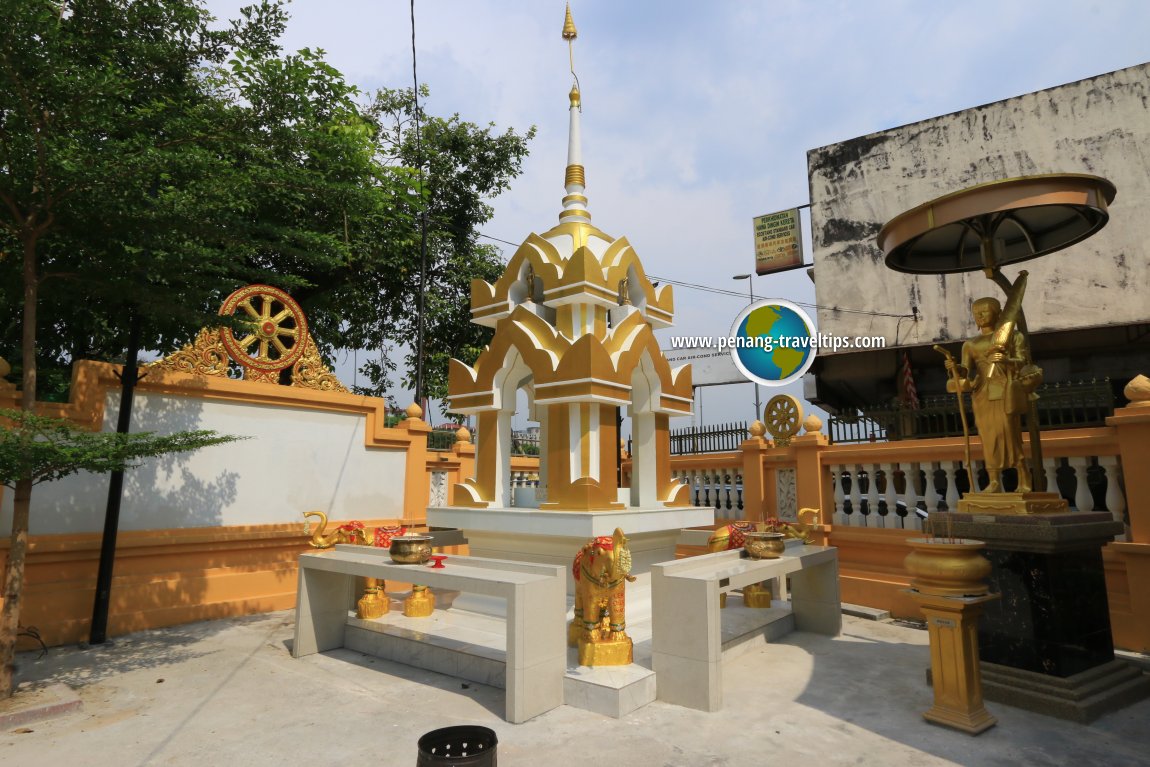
(295, 461)
(1099, 126)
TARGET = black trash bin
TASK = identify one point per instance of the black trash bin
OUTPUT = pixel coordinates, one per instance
(462, 746)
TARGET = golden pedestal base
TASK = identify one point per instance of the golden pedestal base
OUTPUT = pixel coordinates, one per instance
(373, 604)
(420, 604)
(617, 651)
(953, 626)
(1012, 503)
(758, 595)
(755, 595)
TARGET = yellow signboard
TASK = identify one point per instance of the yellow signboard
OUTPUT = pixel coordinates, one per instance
(778, 242)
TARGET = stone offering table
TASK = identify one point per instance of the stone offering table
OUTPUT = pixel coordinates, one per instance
(535, 597)
(686, 634)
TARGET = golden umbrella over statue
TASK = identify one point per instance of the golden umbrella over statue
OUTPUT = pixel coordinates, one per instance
(987, 227)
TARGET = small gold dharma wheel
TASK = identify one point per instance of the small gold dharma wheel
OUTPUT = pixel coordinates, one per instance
(783, 415)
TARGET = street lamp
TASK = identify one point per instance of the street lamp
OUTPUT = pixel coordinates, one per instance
(751, 288)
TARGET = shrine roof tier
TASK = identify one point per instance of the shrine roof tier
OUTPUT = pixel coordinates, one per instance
(573, 263)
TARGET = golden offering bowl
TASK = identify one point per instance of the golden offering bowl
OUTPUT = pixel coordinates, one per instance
(410, 549)
(764, 545)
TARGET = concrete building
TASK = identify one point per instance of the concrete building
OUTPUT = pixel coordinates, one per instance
(1087, 310)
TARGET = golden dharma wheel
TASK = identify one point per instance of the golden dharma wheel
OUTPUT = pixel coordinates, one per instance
(783, 414)
(277, 328)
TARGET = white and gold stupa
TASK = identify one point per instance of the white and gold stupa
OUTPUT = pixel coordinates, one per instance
(574, 315)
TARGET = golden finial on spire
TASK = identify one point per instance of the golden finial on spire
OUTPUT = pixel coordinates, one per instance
(570, 34)
(569, 31)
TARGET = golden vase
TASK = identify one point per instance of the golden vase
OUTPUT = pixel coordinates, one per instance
(948, 567)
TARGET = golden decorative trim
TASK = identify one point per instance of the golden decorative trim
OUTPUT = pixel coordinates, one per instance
(309, 372)
(206, 356)
(262, 376)
(1012, 503)
(575, 198)
(575, 175)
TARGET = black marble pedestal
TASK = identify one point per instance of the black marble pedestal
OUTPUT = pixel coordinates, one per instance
(1046, 644)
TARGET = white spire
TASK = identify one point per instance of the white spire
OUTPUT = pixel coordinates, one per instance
(574, 203)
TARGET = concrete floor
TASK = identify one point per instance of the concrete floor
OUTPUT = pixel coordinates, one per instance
(229, 693)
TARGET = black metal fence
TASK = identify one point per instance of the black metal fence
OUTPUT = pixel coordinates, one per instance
(721, 438)
(440, 439)
(1060, 405)
(443, 439)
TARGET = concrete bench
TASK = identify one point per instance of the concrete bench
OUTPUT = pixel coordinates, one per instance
(686, 645)
(535, 597)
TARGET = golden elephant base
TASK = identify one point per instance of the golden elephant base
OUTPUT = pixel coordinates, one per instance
(420, 604)
(617, 651)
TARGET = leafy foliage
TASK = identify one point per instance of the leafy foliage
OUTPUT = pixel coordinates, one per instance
(150, 164)
(44, 449)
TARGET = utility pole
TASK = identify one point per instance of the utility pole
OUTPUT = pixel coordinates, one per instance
(750, 278)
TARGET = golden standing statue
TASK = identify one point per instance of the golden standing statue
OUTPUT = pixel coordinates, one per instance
(998, 372)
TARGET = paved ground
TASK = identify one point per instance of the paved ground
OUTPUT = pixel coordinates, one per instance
(229, 693)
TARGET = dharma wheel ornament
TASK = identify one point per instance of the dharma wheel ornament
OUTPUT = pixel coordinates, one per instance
(277, 328)
(783, 414)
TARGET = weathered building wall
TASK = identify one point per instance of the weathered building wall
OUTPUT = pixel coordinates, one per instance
(1099, 126)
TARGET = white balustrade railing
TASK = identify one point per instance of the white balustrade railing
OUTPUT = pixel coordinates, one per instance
(886, 494)
(720, 488)
(525, 490)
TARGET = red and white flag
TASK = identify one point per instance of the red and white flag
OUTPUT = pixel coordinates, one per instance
(907, 391)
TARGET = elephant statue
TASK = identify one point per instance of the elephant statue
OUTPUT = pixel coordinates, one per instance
(352, 532)
(602, 569)
(730, 536)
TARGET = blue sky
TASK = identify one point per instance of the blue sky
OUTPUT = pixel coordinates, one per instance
(698, 116)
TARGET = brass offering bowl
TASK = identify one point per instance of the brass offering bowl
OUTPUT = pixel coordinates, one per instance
(764, 545)
(410, 549)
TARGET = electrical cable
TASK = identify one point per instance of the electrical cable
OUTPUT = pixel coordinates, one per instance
(725, 292)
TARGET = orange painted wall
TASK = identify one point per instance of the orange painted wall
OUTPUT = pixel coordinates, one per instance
(871, 572)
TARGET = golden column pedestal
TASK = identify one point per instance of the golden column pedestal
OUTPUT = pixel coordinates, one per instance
(374, 603)
(420, 604)
(953, 626)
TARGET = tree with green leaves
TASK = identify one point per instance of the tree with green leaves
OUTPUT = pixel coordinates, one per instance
(151, 162)
(464, 165)
(35, 449)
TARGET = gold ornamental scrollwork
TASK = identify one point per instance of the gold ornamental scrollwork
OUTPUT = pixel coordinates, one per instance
(309, 372)
(278, 340)
(206, 356)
